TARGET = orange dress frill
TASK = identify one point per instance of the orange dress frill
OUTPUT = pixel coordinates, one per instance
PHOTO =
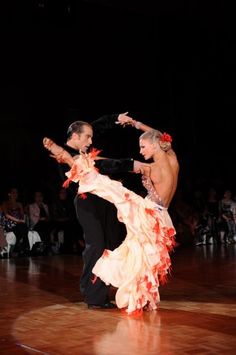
(142, 261)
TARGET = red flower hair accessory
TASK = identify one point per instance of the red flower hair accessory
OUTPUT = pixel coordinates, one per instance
(166, 138)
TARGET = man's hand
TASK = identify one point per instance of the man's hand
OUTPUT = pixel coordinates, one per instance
(140, 168)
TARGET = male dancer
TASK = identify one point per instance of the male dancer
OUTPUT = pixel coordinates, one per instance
(97, 217)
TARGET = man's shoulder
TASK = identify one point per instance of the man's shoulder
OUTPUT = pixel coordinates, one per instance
(70, 150)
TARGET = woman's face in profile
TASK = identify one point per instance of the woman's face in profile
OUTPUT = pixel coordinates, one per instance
(147, 148)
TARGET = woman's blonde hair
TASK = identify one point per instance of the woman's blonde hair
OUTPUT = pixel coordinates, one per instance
(156, 136)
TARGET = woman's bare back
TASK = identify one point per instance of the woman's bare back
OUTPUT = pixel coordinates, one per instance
(164, 176)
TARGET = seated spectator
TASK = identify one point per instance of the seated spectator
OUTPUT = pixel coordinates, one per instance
(39, 218)
(65, 225)
(227, 226)
(14, 221)
(3, 243)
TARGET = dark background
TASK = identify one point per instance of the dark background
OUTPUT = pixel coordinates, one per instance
(172, 67)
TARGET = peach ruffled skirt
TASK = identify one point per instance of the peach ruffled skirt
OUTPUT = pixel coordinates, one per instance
(142, 261)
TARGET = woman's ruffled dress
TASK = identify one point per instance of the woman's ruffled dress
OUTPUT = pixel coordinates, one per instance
(142, 261)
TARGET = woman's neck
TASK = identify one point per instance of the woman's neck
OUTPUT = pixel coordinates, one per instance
(158, 155)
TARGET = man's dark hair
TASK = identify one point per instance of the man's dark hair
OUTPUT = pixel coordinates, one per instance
(76, 127)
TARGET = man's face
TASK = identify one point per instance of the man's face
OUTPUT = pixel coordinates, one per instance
(83, 140)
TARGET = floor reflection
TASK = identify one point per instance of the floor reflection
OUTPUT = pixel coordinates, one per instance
(133, 336)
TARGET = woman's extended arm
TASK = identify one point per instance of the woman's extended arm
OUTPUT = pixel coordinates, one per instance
(126, 120)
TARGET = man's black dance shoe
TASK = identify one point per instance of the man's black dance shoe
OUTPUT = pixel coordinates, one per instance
(108, 305)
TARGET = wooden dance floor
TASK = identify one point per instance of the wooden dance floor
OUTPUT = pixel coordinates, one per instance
(41, 311)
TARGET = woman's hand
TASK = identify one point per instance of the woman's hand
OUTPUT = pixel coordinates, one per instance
(124, 120)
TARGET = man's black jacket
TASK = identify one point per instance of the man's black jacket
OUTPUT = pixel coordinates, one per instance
(105, 166)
